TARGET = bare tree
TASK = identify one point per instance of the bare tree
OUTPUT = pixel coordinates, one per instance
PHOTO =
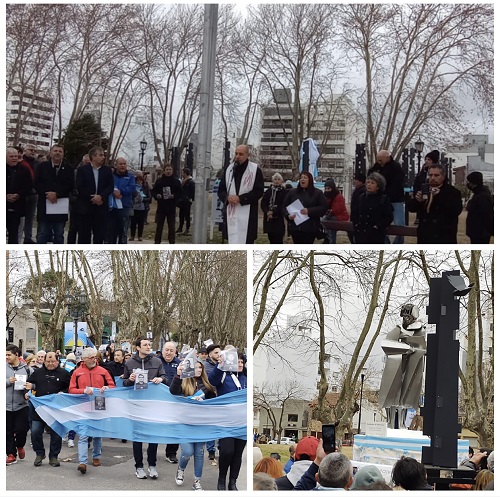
(418, 60)
(273, 398)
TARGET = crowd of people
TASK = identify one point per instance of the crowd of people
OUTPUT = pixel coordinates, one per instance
(111, 204)
(310, 468)
(378, 200)
(103, 204)
(49, 373)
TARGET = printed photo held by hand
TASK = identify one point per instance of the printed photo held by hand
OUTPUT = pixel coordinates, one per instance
(141, 379)
(229, 360)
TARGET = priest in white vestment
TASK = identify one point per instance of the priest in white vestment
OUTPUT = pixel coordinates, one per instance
(241, 187)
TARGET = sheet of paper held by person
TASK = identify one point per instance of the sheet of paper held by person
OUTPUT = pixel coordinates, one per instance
(295, 208)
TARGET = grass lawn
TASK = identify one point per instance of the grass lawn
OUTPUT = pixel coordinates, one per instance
(282, 450)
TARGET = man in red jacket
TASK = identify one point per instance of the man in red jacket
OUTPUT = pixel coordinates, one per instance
(83, 381)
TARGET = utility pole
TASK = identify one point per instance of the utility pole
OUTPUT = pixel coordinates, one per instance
(204, 150)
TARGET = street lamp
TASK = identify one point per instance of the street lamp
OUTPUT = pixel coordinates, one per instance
(361, 398)
(76, 308)
(419, 147)
(143, 145)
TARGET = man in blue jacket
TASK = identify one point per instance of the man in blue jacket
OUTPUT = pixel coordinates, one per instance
(121, 203)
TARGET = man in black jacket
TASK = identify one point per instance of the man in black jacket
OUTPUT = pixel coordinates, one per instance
(188, 188)
(117, 366)
(29, 157)
(394, 177)
(479, 223)
(95, 184)
(46, 380)
(144, 360)
(170, 362)
(167, 192)
(54, 181)
(438, 210)
(359, 188)
(19, 184)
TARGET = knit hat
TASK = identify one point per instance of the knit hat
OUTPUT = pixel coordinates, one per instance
(379, 179)
(476, 178)
(288, 182)
(307, 446)
(434, 156)
(366, 476)
(330, 183)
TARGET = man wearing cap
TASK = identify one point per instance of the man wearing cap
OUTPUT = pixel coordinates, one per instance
(202, 354)
(479, 223)
(144, 359)
(305, 453)
(83, 381)
(438, 209)
(46, 380)
(330, 471)
(366, 476)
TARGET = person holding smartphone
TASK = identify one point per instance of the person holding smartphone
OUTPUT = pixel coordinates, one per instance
(439, 210)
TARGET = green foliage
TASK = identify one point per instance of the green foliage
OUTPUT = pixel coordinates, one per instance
(80, 136)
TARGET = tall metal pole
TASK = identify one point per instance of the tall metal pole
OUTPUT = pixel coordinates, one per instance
(360, 403)
(75, 324)
(204, 150)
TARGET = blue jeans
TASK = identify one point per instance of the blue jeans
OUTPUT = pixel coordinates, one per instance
(210, 446)
(37, 428)
(50, 230)
(119, 221)
(83, 448)
(187, 450)
(399, 219)
(331, 235)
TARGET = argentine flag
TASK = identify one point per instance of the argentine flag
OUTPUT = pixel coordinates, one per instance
(153, 415)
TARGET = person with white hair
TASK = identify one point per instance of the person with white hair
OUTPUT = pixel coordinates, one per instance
(86, 377)
(272, 207)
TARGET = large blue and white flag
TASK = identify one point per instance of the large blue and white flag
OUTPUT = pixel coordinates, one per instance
(153, 415)
(312, 167)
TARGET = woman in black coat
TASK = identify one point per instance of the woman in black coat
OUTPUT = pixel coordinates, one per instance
(272, 207)
(373, 213)
(314, 206)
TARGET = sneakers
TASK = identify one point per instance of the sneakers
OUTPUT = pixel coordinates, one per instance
(178, 230)
(172, 459)
(11, 459)
(96, 462)
(71, 443)
(140, 473)
(82, 468)
(152, 472)
(211, 456)
(197, 485)
(38, 460)
(21, 452)
(65, 439)
(179, 479)
(54, 462)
